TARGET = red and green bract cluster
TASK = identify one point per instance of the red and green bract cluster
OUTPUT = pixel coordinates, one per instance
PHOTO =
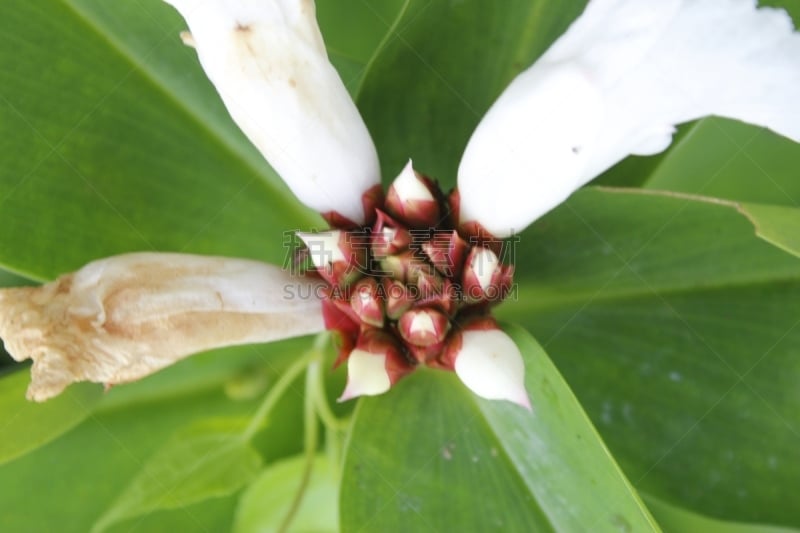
(406, 283)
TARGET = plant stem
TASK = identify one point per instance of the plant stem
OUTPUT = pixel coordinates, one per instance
(330, 420)
(310, 436)
(279, 389)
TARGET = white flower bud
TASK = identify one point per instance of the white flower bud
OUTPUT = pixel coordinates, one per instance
(325, 248)
(423, 326)
(366, 375)
(490, 364)
(411, 200)
(409, 187)
(340, 257)
(374, 366)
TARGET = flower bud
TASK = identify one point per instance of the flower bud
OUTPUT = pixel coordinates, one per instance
(388, 237)
(485, 278)
(428, 355)
(405, 267)
(340, 257)
(345, 327)
(411, 199)
(368, 302)
(488, 362)
(429, 284)
(398, 298)
(423, 326)
(375, 365)
(442, 296)
(446, 250)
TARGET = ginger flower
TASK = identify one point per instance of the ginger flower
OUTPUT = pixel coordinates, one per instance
(407, 277)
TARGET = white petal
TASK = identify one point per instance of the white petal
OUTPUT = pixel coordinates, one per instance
(366, 375)
(490, 364)
(625, 73)
(324, 247)
(119, 319)
(484, 264)
(268, 62)
(422, 323)
(409, 187)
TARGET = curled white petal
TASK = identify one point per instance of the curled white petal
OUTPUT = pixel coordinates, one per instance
(119, 319)
(268, 62)
(490, 364)
(366, 375)
(616, 83)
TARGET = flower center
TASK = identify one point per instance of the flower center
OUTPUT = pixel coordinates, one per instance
(410, 277)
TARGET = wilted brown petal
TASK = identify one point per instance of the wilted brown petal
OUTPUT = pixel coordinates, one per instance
(122, 318)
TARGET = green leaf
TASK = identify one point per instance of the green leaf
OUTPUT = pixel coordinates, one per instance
(676, 520)
(775, 224)
(26, 426)
(678, 330)
(87, 468)
(430, 456)
(205, 460)
(730, 160)
(351, 51)
(265, 503)
(442, 67)
(119, 144)
(113, 140)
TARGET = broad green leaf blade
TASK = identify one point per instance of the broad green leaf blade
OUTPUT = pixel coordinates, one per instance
(117, 142)
(678, 330)
(77, 477)
(778, 225)
(775, 224)
(263, 506)
(441, 69)
(26, 426)
(731, 160)
(146, 35)
(104, 150)
(203, 461)
(625, 243)
(433, 457)
(677, 520)
(353, 32)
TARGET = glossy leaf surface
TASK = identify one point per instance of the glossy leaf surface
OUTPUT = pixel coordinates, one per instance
(26, 426)
(545, 470)
(677, 328)
(265, 503)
